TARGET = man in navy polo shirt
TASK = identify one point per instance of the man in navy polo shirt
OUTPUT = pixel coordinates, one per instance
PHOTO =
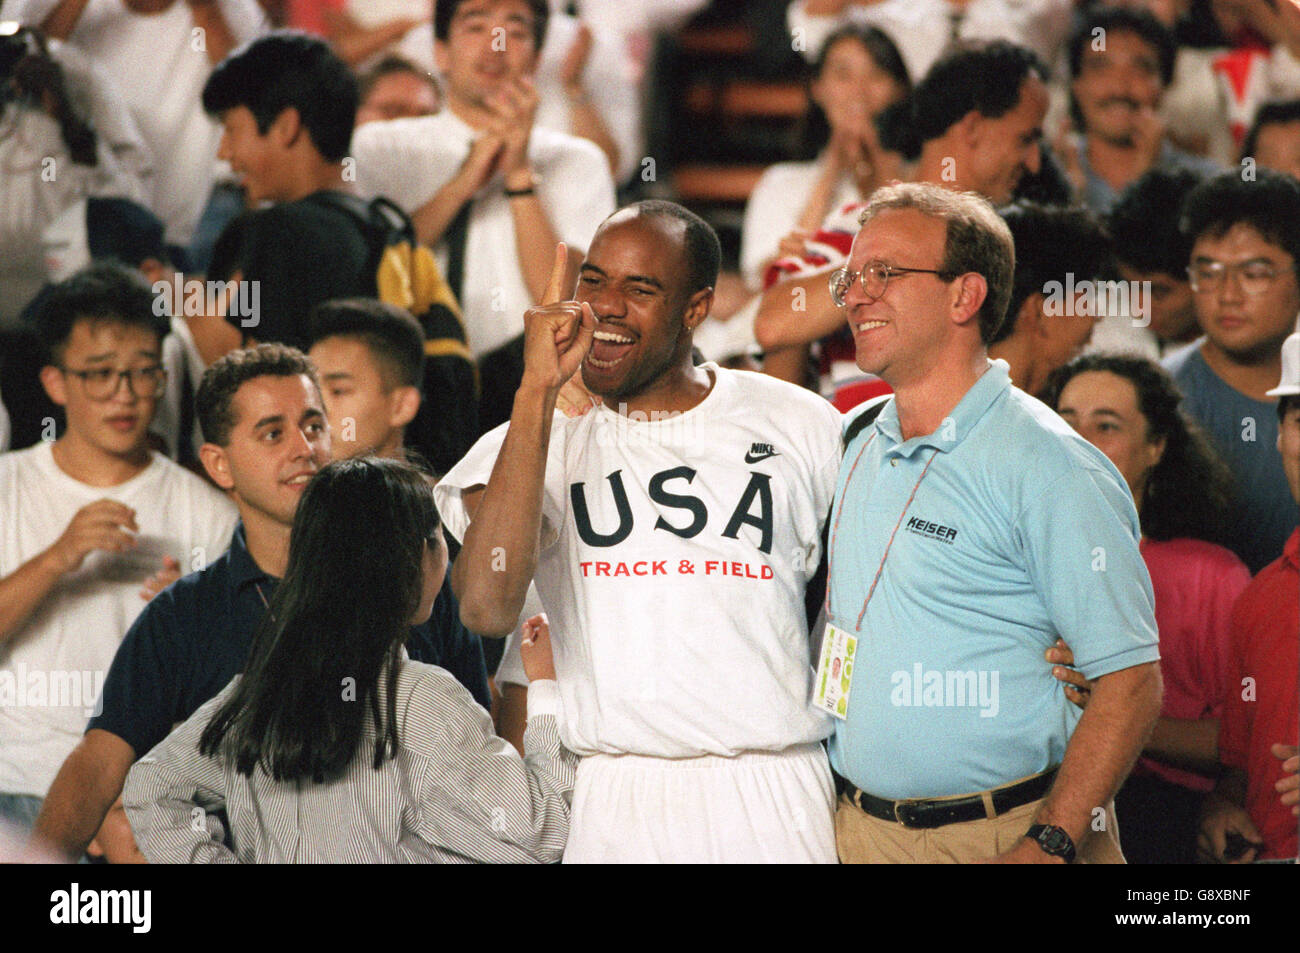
(971, 528)
(266, 435)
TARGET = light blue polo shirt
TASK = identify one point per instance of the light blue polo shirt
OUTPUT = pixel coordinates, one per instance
(1020, 532)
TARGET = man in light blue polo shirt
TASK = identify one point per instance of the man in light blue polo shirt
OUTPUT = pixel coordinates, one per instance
(972, 528)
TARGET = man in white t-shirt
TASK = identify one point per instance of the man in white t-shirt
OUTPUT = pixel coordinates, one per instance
(671, 531)
(91, 525)
(160, 52)
(521, 187)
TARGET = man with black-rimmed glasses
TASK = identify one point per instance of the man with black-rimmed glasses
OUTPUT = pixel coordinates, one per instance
(1245, 238)
(91, 524)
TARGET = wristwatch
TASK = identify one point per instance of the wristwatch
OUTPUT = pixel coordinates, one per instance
(1053, 840)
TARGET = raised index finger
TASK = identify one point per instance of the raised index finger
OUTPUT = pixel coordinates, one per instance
(555, 286)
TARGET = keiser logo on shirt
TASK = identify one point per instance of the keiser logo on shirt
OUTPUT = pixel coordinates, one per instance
(923, 527)
(759, 452)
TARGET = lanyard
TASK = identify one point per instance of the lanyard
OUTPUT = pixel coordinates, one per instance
(836, 528)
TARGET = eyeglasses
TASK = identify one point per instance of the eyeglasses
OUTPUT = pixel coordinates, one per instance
(1255, 276)
(101, 383)
(875, 278)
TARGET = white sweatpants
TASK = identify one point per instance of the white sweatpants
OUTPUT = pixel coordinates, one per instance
(758, 807)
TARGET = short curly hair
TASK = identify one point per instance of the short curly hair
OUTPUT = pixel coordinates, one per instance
(1189, 491)
(216, 394)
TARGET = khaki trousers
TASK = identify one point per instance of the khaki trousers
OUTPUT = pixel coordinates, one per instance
(863, 839)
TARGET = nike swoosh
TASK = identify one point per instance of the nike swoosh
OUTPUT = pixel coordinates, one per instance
(750, 458)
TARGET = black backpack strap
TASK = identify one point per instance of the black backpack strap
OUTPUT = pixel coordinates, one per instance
(456, 237)
(371, 216)
(866, 418)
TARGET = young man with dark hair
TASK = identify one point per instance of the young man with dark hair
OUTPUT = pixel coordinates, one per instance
(1118, 76)
(1043, 331)
(672, 532)
(486, 186)
(1244, 819)
(370, 358)
(287, 105)
(1245, 260)
(979, 115)
(1148, 245)
(266, 435)
(90, 524)
(1274, 137)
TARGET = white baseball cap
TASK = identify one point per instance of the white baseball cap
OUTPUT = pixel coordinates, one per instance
(1290, 383)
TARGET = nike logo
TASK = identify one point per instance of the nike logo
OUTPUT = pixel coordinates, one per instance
(760, 452)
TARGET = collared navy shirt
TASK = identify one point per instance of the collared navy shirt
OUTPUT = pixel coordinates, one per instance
(195, 636)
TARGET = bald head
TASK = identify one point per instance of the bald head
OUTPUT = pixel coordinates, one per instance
(701, 251)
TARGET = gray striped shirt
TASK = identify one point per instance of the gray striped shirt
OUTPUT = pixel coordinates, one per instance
(455, 793)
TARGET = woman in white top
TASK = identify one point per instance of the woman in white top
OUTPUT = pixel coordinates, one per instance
(333, 746)
(857, 75)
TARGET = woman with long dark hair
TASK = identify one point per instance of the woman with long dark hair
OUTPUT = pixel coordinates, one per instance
(857, 76)
(332, 745)
(1128, 407)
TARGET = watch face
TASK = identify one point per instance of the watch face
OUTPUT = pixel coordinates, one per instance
(1054, 839)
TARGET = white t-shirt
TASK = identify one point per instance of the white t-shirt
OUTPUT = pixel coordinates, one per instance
(53, 667)
(675, 557)
(773, 211)
(409, 160)
(610, 80)
(160, 67)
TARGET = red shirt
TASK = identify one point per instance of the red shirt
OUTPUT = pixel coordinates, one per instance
(309, 15)
(1266, 648)
(1196, 585)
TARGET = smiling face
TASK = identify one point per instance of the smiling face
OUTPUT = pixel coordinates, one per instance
(1246, 328)
(1005, 149)
(254, 157)
(279, 440)
(1103, 408)
(899, 335)
(1115, 83)
(634, 279)
(851, 87)
(490, 44)
(116, 426)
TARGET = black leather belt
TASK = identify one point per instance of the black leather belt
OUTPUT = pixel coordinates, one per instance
(952, 810)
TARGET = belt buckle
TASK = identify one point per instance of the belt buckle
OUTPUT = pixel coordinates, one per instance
(902, 815)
